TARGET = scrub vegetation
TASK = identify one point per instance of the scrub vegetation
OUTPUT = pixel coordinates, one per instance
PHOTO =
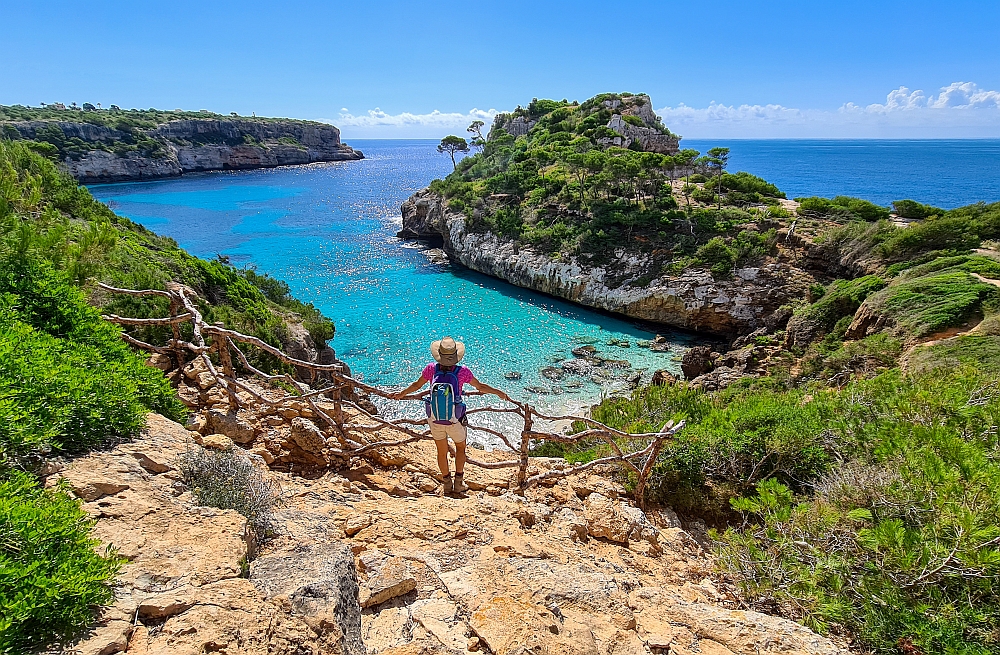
(856, 485)
(568, 186)
(69, 384)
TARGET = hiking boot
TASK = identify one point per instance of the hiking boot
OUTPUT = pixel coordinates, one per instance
(449, 486)
(459, 486)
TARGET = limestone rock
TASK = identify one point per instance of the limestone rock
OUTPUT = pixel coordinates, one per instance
(697, 360)
(308, 437)
(217, 442)
(231, 425)
(509, 625)
(320, 582)
(390, 579)
(197, 145)
(693, 299)
(663, 378)
(616, 521)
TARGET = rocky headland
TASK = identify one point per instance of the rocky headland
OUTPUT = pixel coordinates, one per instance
(183, 146)
(630, 283)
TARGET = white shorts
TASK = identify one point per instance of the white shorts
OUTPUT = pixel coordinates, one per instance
(441, 431)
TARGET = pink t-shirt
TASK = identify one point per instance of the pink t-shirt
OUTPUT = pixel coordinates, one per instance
(465, 376)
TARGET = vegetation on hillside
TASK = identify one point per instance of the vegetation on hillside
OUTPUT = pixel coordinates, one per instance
(69, 384)
(51, 575)
(564, 187)
(130, 129)
(856, 486)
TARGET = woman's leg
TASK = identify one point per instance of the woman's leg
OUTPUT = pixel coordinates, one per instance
(459, 458)
(442, 454)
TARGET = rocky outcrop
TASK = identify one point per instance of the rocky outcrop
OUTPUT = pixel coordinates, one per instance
(193, 145)
(362, 562)
(693, 299)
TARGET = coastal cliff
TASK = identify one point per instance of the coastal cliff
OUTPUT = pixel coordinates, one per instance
(122, 151)
(693, 299)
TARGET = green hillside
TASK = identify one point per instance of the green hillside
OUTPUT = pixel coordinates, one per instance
(69, 384)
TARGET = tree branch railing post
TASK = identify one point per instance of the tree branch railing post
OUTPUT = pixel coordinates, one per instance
(362, 431)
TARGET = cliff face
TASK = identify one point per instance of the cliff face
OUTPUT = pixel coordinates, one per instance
(190, 145)
(692, 300)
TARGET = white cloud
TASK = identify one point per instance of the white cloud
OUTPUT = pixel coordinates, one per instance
(377, 123)
(957, 95)
(961, 109)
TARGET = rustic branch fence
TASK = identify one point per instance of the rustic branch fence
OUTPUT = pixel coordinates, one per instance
(353, 433)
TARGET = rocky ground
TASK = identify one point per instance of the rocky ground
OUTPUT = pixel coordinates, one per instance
(370, 557)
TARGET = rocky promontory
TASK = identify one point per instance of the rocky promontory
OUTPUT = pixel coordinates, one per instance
(630, 283)
(120, 151)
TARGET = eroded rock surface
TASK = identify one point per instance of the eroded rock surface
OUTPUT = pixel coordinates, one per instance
(363, 561)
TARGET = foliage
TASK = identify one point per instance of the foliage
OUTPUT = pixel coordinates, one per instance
(67, 381)
(51, 577)
(44, 214)
(900, 544)
(452, 144)
(733, 440)
(927, 299)
(842, 208)
(562, 189)
(979, 350)
(840, 299)
(229, 480)
(914, 209)
(126, 131)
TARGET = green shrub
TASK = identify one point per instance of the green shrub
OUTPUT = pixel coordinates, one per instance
(733, 440)
(67, 381)
(900, 544)
(842, 208)
(51, 576)
(744, 182)
(717, 255)
(914, 209)
(840, 299)
(981, 351)
(704, 195)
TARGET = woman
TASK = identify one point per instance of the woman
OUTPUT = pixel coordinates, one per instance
(445, 409)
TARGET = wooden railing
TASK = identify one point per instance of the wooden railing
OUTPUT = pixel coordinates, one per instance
(361, 432)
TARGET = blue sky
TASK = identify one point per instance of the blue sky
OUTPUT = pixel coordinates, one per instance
(409, 69)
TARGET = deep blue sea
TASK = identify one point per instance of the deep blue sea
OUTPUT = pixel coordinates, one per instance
(944, 173)
(329, 231)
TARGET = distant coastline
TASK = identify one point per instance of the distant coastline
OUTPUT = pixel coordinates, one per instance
(100, 146)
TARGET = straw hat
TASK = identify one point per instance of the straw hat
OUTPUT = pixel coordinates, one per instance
(447, 351)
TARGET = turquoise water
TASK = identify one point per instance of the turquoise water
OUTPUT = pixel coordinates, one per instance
(329, 231)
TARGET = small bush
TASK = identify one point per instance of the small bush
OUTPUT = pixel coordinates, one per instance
(51, 576)
(717, 255)
(746, 183)
(229, 480)
(842, 208)
(67, 381)
(914, 209)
